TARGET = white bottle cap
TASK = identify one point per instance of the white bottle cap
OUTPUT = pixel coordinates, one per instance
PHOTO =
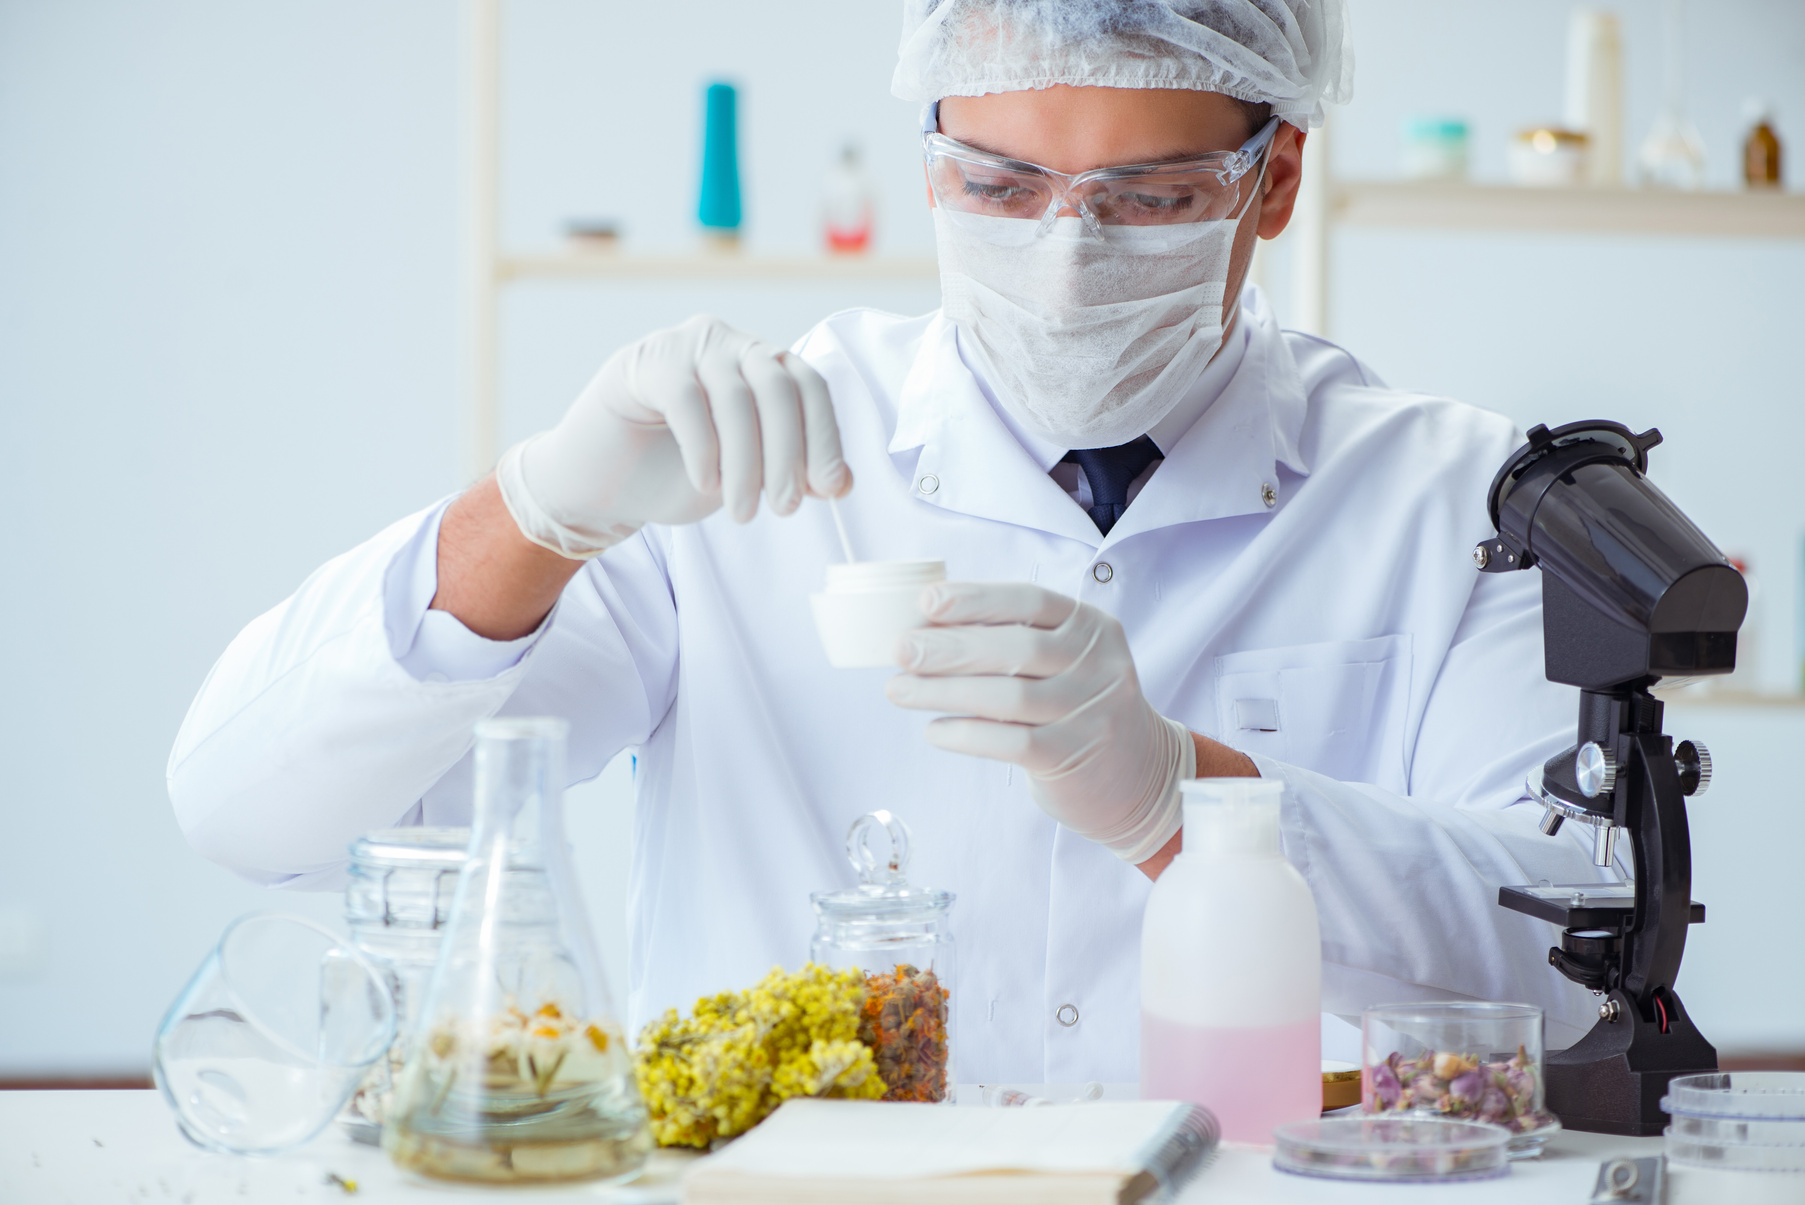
(1231, 817)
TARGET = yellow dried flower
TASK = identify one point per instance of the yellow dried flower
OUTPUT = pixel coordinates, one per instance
(721, 1072)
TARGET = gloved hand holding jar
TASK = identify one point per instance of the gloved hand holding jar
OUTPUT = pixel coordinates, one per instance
(1044, 681)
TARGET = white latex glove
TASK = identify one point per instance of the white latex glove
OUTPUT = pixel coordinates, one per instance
(1044, 681)
(673, 427)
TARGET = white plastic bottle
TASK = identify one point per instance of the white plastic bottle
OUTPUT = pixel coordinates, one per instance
(1231, 968)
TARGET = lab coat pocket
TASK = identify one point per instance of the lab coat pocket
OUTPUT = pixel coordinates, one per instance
(1337, 708)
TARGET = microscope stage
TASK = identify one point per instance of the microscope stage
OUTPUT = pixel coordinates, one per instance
(1581, 905)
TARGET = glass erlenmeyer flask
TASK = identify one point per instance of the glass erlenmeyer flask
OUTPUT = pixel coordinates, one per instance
(516, 1069)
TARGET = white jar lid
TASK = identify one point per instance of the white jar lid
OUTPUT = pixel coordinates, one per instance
(858, 577)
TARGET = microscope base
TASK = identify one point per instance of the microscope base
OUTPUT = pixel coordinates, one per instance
(1612, 1080)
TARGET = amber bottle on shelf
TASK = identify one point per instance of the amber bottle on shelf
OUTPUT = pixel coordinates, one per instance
(1761, 149)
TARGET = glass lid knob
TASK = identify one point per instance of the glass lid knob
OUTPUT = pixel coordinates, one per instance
(891, 866)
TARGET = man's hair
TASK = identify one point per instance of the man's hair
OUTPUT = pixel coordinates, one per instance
(1258, 113)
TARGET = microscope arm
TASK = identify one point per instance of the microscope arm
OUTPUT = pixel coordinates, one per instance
(1662, 843)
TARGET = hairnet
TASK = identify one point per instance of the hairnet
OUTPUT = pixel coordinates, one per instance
(1292, 54)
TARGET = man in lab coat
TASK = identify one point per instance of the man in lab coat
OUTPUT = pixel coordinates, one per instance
(1179, 541)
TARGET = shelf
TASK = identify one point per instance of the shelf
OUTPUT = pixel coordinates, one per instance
(713, 265)
(1353, 203)
(1490, 207)
(1689, 697)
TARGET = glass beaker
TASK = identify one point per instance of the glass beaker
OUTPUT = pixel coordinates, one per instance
(516, 1069)
(1470, 1060)
(397, 905)
(897, 935)
(271, 1036)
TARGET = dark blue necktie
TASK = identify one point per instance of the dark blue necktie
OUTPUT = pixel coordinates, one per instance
(1110, 472)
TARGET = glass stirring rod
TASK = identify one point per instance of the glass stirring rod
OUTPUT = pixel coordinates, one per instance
(833, 504)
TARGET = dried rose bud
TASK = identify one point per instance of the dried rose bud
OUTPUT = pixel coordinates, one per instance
(1467, 1086)
(1521, 1085)
(1382, 1082)
(1448, 1065)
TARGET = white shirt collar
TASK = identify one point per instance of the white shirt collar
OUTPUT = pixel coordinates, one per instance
(1165, 433)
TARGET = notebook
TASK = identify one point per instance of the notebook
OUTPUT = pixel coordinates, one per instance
(809, 1151)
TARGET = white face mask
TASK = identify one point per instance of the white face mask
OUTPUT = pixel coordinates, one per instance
(1090, 341)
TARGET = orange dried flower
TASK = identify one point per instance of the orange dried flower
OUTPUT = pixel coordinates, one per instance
(903, 1020)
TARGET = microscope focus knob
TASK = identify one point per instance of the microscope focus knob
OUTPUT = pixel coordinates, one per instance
(1693, 761)
(1595, 770)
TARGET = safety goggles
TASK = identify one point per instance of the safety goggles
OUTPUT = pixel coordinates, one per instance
(1204, 189)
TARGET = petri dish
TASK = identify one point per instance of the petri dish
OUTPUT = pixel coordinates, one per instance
(1754, 1095)
(1737, 1131)
(1410, 1149)
(1732, 1156)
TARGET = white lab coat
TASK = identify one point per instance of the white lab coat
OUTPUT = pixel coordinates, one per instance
(1339, 636)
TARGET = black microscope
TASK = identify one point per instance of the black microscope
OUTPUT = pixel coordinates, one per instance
(1632, 592)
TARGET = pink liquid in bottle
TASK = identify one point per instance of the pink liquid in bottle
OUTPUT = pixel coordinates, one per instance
(1251, 1079)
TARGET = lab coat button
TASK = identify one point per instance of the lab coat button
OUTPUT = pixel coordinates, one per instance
(1268, 493)
(1102, 572)
(1067, 1015)
(928, 483)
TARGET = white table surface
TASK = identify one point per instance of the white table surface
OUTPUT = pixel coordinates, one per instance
(88, 1147)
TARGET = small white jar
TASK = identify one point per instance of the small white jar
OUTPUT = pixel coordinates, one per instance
(1548, 157)
(868, 606)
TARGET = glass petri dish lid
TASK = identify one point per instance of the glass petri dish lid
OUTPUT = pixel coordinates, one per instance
(1751, 1095)
(1408, 1149)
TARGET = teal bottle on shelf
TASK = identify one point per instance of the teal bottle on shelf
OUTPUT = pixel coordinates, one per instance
(719, 209)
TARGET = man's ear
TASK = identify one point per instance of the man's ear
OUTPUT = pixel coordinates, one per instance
(1284, 172)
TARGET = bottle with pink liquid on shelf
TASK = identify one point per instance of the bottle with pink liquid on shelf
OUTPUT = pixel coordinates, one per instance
(849, 205)
(1231, 968)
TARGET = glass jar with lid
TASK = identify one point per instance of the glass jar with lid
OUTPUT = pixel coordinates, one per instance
(897, 935)
(397, 903)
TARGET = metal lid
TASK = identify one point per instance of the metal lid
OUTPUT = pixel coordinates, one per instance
(884, 891)
(412, 848)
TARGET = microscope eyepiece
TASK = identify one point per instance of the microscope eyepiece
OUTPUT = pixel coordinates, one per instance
(1632, 589)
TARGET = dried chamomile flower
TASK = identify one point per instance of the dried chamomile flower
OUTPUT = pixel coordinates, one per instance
(721, 1071)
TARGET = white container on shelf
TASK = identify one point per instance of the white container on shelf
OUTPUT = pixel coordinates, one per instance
(1595, 91)
(1549, 157)
(1434, 148)
(868, 606)
(1231, 968)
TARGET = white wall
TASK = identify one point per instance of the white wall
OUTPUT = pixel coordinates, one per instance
(228, 343)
